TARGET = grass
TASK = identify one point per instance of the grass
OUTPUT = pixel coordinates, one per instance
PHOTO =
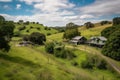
(96, 31)
(34, 29)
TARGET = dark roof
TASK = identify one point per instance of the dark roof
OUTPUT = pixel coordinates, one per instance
(99, 37)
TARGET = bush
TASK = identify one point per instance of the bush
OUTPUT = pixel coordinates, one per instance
(89, 25)
(37, 38)
(48, 34)
(49, 47)
(94, 61)
(59, 50)
(22, 28)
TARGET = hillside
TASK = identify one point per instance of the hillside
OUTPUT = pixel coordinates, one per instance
(33, 63)
(23, 29)
(96, 31)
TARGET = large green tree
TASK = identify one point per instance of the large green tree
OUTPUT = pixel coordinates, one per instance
(71, 31)
(37, 38)
(116, 21)
(89, 25)
(112, 47)
(6, 33)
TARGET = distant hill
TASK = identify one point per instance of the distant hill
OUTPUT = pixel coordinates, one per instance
(23, 29)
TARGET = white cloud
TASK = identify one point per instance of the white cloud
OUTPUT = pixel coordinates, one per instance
(31, 1)
(86, 16)
(53, 5)
(5, 0)
(18, 6)
(102, 7)
(6, 7)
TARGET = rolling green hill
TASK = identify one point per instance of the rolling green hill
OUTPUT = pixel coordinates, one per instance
(33, 63)
(28, 29)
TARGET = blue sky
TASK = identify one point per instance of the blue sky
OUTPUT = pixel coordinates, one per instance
(60, 12)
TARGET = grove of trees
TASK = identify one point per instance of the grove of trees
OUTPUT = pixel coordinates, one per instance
(89, 25)
(112, 46)
(71, 31)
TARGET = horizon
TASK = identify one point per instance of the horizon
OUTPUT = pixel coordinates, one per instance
(58, 12)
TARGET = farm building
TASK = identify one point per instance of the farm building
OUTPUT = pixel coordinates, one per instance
(97, 41)
(78, 40)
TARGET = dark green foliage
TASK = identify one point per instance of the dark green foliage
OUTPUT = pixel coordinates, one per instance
(26, 37)
(59, 50)
(49, 47)
(37, 38)
(112, 47)
(27, 30)
(108, 31)
(105, 22)
(116, 21)
(6, 33)
(4, 44)
(89, 25)
(17, 34)
(2, 19)
(27, 23)
(94, 61)
(48, 34)
(22, 28)
(71, 31)
(38, 28)
(31, 27)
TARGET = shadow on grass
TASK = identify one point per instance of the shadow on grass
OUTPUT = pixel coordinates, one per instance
(19, 60)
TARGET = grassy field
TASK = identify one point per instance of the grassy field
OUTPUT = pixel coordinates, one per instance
(33, 63)
(96, 31)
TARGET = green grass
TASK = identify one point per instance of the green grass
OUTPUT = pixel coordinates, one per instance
(34, 29)
(96, 31)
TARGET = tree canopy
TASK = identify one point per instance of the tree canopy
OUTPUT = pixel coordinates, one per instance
(89, 25)
(37, 38)
(116, 21)
(6, 33)
(71, 31)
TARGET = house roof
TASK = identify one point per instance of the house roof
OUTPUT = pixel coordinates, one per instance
(77, 38)
(102, 38)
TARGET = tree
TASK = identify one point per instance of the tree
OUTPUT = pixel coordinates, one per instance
(6, 33)
(116, 21)
(104, 22)
(89, 25)
(108, 31)
(112, 46)
(2, 19)
(71, 31)
(37, 38)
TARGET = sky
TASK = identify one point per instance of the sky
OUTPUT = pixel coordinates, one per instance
(60, 12)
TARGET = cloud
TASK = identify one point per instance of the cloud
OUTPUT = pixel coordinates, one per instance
(5, 0)
(85, 16)
(18, 6)
(31, 1)
(53, 5)
(102, 7)
(6, 7)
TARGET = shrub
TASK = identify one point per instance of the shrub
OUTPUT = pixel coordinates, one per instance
(48, 34)
(22, 28)
(49, 47)
(37, 38)
(89, 25)
(94, 61)
(116, 21)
